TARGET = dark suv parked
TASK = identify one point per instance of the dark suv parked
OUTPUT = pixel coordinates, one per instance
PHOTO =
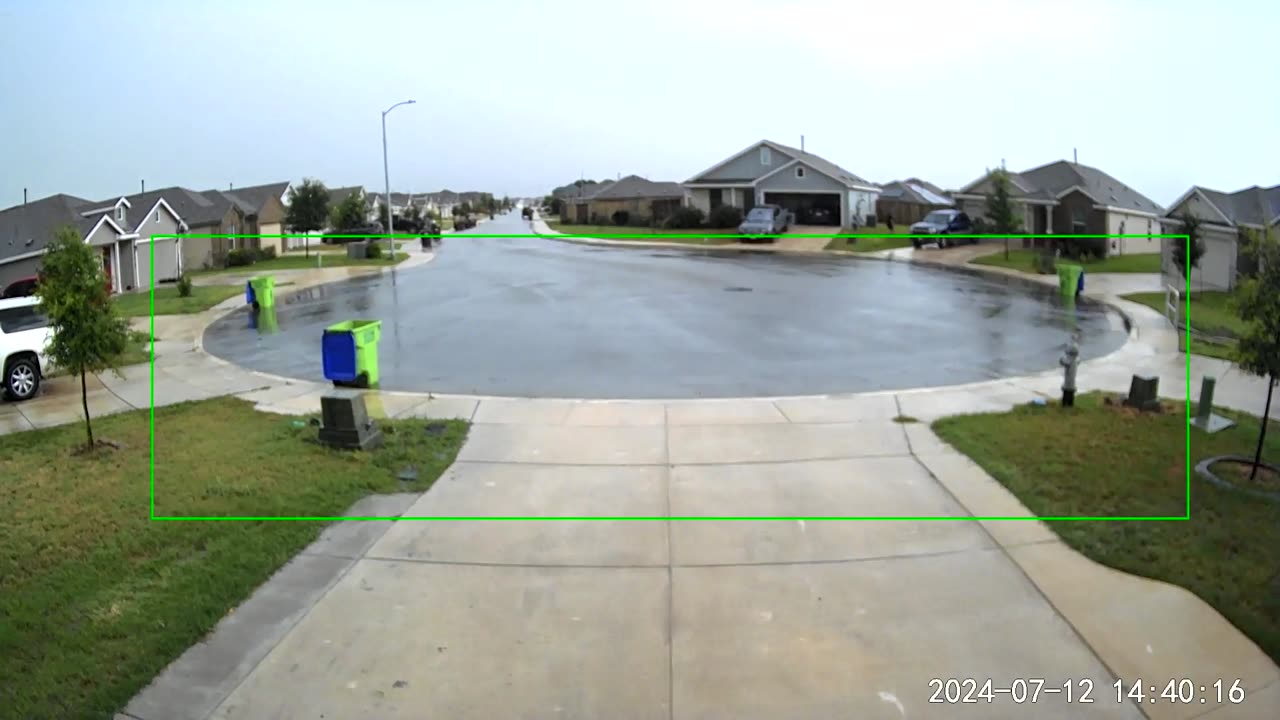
(943, 223)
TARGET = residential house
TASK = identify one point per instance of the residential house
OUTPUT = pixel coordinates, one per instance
(815, 190)
(339, 195)
(265, 212)
(642, 200)
(1222, 219)
(1068, 198)
(213, 218)
(908, 201)
(574, 199)
(442, 202)
(120, 230)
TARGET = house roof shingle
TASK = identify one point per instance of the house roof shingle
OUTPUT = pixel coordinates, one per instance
(337, 195)
(1046, 182)
(29, 227)
(915, 190)
(820, 164)
(1251, 206)
(634, 186)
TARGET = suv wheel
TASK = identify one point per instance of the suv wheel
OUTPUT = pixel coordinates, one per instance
(22, 378)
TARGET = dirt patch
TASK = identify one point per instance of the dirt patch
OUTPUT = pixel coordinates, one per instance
(1237, 473)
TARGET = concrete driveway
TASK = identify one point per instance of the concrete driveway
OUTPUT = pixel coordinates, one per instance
(694, 618)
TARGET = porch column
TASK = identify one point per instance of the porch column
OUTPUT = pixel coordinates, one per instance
(1048, 219)
(115, 271)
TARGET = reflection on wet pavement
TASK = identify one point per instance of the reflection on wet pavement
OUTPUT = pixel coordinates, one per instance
(541, 318)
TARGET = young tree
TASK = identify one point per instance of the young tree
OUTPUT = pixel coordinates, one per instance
(1186, 254)
(384, 218)
(89, 335)
(1000, 208)
(349, 213)
(1257, 300)
(308, 209)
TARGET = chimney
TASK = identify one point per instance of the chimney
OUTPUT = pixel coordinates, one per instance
(801, 143)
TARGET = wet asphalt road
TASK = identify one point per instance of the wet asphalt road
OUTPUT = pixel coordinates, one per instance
(543, 318)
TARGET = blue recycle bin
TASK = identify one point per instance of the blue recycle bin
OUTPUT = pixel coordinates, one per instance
(349, 352)
(1080, 283)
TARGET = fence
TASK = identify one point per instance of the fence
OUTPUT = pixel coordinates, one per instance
(1172, 298)
(294, 242)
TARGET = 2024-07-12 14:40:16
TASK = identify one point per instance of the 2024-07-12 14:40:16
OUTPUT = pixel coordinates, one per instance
(1020, 690)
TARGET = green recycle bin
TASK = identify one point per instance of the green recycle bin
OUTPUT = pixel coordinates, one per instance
(1069, 279)
(349, 352)
(261, 291)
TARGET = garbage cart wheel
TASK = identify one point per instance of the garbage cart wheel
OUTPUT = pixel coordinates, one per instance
(362, 380)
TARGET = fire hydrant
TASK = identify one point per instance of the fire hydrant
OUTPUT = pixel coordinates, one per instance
(1070, 362)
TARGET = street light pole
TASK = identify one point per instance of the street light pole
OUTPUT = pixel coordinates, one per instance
(386, 173)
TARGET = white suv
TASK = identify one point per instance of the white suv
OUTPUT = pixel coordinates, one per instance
(24, 335)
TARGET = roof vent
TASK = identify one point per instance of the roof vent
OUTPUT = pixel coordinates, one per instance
(29, 241)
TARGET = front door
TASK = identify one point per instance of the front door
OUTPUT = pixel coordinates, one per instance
(106, 267)
(717, 198)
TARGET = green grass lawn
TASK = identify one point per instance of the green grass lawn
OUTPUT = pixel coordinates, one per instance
(700, 236)
(878, 238)
(168, 302)
(96, 599)
(1106, 461)
(298, 261)
(1211, 315)
(1024, 259)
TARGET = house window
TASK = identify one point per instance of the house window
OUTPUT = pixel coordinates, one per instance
(799, 171)
(157, 216)
(765, 156)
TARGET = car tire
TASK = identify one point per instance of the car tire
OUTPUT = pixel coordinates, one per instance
(915, 243)
(21, 379)
(943, 244)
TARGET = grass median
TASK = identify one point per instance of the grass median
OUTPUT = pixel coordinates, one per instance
(1214, 323)
(296, 260)
(97, 599)
(1024, 259)
(1105, 460)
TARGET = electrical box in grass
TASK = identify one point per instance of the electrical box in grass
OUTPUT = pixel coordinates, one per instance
(1070, 279)
(349, 352)
(261, 291)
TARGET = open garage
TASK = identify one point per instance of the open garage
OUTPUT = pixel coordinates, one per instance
(811, 208)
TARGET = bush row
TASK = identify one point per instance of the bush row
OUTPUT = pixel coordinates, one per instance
(241, 257)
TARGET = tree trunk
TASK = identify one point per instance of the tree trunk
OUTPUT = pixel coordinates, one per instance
(1262, 434)
(1006, 247)
(84, 401)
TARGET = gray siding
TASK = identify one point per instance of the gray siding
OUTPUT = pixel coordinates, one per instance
(127, 280)
(9, 272)
(747, 166)
(813, 181)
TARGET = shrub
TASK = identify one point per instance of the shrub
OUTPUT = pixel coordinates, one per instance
(1084, 249)
(684, 218)
(374, 251)
(240, 257)
(267, 253)
(184, 285)
(621, 217)
(725, 216)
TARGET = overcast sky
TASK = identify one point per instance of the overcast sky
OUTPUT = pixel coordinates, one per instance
(515, 97)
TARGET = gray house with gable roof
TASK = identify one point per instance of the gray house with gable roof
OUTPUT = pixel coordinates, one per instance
(1066, 198)
(814, 189)
(1224, 217)
(121, 230)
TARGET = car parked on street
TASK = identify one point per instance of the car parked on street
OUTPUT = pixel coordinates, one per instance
(943, 223)
(24, 335)
(25, 287)
(764, 221)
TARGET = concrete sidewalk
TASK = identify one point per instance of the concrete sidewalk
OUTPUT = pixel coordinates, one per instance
(690, 619)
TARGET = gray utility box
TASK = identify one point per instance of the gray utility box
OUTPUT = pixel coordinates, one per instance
(358, 250)
(345, 422)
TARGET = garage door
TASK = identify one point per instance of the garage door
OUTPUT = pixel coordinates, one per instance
(275, 242)
(166, 262)
(808, 208)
